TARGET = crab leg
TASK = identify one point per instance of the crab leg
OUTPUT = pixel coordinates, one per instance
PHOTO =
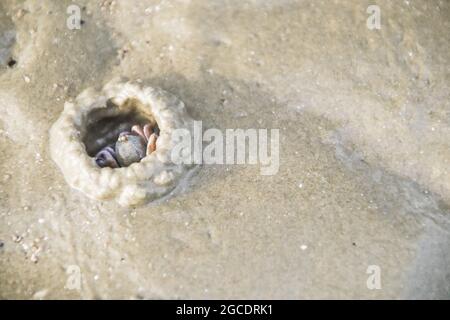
(151, 146)
(138, 130)
(148, 131)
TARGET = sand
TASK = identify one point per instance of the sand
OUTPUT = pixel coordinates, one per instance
(364, 151)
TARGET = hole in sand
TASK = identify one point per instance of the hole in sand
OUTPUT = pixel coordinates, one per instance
(105, 125)
(97, 118)
(11, 62)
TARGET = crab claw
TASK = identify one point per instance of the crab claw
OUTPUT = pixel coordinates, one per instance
(106, 158)
(130, 148)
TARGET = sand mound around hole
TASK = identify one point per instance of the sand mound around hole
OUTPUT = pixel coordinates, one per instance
(95, 118)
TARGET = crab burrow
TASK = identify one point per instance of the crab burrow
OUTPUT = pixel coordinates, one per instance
(95, 119)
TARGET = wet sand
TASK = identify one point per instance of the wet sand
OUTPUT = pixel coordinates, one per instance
(364, 150)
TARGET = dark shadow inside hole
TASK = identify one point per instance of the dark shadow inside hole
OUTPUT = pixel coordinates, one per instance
(105, 124)
(11, 62)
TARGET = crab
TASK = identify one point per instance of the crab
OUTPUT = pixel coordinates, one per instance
(131, 146)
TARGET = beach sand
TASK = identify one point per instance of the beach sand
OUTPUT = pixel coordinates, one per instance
(364, 150)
